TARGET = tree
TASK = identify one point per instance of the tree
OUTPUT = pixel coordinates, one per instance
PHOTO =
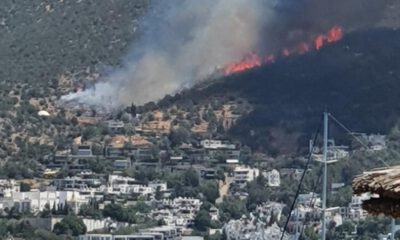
(257, 192)
(310, 233)
(3, 229)
(41, 234)
(158, 195)
(99, 165)
(133, 110)
(221, 175)
(13, 212)
(232, 208)
(130, 215)
(46, 211)
(179, 136)
(25, 187)
(191, 178)
(114, 211)
(202, 220)
(70, 225)
(342, 197)
(210, 191)
(129, 129)
(90, 132)
(142, 207)
(54, 209)
(126, 230)
(90, 211)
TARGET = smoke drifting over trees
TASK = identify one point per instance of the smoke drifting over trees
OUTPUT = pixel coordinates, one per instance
(184, 41)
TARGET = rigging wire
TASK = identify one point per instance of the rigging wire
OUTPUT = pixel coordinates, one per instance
(313, 197)
(357, 138)
(319, 177)
(301, 181)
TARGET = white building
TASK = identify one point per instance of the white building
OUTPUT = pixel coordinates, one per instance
(214, 213)
(119, 237)
(216, 144)
(244, 229)
(304, 215)
(76, 183)
(355, 211)
(82, 150)
(157, 233)
(36, 201)
(168, 232)
(270, 211)
(7, 186)
(115, 126)
(309, 199)
(242, 175)
(377, 142)
(274, 178)
(178, 211)
(126, 185)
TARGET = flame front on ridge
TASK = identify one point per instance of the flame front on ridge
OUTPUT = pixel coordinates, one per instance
(253, 60)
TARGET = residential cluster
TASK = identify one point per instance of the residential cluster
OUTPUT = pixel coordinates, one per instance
(137, 164)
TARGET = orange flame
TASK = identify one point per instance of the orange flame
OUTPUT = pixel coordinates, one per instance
(253, 60)
(335, 34)
(249, 61)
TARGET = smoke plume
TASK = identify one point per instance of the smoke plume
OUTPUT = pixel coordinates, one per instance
(184, 41)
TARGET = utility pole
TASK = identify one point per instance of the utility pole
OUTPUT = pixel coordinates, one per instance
(325, 180)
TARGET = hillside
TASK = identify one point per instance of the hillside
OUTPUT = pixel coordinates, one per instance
(356, 79)
(43, 39)
(47, 48)
(50, 48)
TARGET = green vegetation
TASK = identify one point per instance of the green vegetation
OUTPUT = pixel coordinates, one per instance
(131, 214)
(70, 225)
(24, 230)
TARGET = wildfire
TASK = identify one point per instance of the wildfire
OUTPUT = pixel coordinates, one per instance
(249, 61)
(253, 60)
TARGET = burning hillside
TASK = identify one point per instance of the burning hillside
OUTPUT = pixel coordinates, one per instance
(184, 42)
(316, 43)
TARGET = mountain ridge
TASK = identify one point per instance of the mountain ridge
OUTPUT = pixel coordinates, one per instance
(356, 79)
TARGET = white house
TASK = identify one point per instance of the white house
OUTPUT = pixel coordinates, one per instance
(178, 211)
(162, 186)
(242, 175)
(115, 126)
(216, 144)
(309, 199)
(214, 213)
(36, 201)
(157, 233)
(274, 178)
(355, 211)
(7, 186)
(125, 185)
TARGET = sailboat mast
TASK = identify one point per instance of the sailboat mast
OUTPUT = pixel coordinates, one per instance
(325, 177)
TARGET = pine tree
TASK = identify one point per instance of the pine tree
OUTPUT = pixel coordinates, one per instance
(54, 209)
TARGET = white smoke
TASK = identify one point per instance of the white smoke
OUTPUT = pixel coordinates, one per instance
(184, 41)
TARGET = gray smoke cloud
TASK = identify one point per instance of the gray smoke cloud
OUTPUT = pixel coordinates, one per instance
(184, 41)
